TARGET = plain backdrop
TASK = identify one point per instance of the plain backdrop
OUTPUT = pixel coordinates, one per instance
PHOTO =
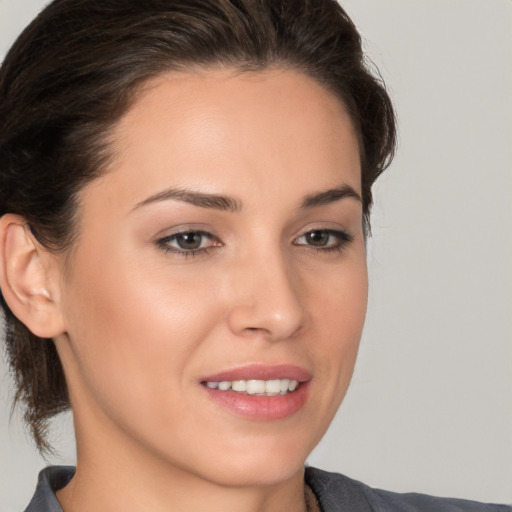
(430, 405)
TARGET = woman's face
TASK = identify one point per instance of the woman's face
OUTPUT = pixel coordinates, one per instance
(215, 298)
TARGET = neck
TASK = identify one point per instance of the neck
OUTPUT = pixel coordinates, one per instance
(111, 491)
(114, 473)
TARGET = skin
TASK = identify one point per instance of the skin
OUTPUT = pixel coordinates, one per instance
(141, 325)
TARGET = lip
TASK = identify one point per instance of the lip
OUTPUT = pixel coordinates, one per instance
(260, 408)
(261, 372)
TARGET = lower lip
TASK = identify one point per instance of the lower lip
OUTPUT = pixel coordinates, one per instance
(265, 408)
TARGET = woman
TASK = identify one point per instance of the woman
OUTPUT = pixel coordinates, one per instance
(185, 198)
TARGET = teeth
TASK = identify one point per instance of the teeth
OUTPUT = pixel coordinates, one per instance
(224, 385)
(256, 387)
(273, 386)
(239, 385)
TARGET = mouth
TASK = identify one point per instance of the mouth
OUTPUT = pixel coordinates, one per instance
(272, 387)
(260, 392)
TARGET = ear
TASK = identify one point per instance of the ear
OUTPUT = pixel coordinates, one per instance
(28, 278)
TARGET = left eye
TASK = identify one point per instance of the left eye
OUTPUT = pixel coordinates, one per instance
(188, 241)
(324, 239)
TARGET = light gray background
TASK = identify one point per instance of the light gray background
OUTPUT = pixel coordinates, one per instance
(430, 405)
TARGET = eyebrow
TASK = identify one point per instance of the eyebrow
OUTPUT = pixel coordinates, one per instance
(330, 196)
(227, 203)
(201, 199)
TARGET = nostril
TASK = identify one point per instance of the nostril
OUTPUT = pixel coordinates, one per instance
(275, 312)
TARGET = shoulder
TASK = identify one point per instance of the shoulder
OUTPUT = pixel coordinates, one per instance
(50, 480)
(336, 493)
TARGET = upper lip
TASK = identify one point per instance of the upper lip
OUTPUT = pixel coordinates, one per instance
(261, 372)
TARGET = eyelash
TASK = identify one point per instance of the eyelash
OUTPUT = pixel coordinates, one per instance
(343, 239)
(163, 243)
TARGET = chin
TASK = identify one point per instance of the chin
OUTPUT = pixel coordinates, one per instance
(258, 472)
(264, 462)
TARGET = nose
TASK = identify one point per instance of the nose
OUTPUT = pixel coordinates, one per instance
(268, 299)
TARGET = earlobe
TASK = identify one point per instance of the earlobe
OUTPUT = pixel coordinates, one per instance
(25, 280)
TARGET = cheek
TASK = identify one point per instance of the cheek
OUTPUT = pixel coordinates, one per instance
(339, 315)
(133, 327)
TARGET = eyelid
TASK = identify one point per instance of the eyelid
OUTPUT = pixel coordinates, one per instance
(164, 242)
(341, 239)
(342, 236)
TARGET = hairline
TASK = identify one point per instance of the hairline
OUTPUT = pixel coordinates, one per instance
(106, 131)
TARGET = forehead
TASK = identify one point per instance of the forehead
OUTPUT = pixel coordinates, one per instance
(218, 129)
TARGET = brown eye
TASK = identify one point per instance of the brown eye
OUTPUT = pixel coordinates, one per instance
(318, 238)
(324, 239)
(189, 241)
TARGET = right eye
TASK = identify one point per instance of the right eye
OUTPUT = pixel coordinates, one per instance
(188, 243)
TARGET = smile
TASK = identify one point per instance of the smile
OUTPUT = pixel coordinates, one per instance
(271, 387)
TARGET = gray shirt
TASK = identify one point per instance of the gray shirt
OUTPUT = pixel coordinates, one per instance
(334, 492)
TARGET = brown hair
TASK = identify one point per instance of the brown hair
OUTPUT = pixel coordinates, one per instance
(74, 71)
